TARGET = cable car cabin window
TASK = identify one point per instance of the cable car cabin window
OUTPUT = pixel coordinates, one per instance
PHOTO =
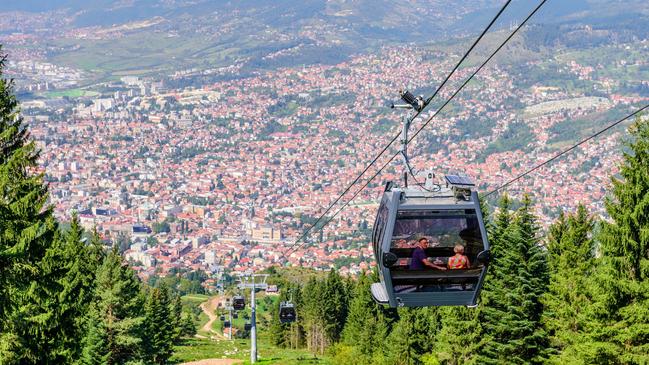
(436, 251)
(379, 226)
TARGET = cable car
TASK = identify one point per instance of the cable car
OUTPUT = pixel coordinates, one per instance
(287, 312)
(238, 302)
(222, 318)
(247, 326)
(235, 315)
(226, 324)
(417, 237)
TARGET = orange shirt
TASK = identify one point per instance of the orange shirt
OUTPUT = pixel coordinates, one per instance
(458, 262)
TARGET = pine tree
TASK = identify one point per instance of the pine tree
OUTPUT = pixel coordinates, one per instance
(77, 287)
(158, 326)
(278, 331)
(187, 326)
(459, 337)
(570, 261)
(511, 308)
(618, 330)
(96, 251)
(115, 320)
(413, 336)
(176, 313)
(363, 325)
(334, 306)
(313, 298)
(27, 231)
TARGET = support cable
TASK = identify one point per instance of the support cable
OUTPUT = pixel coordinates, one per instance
(295, 246)
(427, 101)
(566, 151)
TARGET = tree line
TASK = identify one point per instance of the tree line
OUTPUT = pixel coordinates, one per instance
(577, 294)
(65, 299)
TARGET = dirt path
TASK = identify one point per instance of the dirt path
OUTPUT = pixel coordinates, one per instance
(209, 308)
(214, 362)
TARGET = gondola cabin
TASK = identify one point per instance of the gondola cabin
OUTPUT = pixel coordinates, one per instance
(235, 316)
(247, 326)
(238, 302)
(226, 324)
(222, 318)
(431, 246)
(287, 313)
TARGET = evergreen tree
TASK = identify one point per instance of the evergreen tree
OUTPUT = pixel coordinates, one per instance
(278, 331)
(187, 326)
(511, 309)
(618, 330)
(96, 251)
(176, 313)
(27, 231)
(413, 336)
(159, 328)
(313, 301)
(364, 331)
(459, 338)
(115, 319)
(77, 287)
(570, 261)
(334, 306)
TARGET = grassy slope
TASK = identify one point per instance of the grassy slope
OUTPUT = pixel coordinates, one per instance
(144, 52)
(198, 348)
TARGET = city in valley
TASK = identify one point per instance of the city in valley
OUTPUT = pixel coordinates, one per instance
(223, 168)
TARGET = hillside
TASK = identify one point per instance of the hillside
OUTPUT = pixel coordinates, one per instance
(107, 39)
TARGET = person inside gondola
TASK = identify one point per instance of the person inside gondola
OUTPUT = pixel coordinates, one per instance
(419, 260)
(459, 261)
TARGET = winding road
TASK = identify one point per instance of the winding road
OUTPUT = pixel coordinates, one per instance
(209, 308)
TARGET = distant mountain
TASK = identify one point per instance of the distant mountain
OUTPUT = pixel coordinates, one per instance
(273, 33)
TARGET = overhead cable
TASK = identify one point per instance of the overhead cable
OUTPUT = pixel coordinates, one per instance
(566, 151)
(466, 82)
(427, 101)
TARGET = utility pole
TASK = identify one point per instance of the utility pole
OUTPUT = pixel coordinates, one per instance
(253, 324)
(253, 307)
(230, 331)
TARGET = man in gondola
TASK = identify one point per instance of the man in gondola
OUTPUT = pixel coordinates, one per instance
(419, 260)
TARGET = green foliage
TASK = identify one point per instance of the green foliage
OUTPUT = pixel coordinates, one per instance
(159, 325)
(571, 262)
(27, 231)
(516, 137)
(115, 317)
(511, 308)
(459, 337)
(412, 337)
(366, 327)
(334, 306)
(618, 327)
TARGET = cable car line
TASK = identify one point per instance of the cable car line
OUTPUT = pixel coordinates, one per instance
(419, 111)
(295, 246)
(468, 80)
(517, 177)
(565, 151)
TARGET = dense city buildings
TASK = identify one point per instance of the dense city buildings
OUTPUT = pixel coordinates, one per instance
(226, 175)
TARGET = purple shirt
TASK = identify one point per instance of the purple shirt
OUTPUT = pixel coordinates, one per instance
(418, 255)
